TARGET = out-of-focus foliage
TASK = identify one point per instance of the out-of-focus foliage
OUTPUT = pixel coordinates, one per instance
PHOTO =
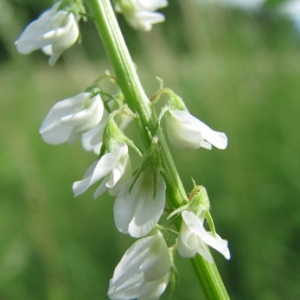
(237, 71)
(273, 3)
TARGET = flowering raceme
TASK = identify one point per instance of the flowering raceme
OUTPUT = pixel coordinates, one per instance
(70, 118)
(148, 265)
(193, 238)
(140, 14)
(53, 32)
(187, 132)
(143, 272)
(138, 208)
(113, 167)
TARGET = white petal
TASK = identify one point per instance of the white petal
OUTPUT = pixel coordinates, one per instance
(92, 139)
(140, 14)
(143, 20)
(54, 58)
(216, 138)
(138, 211)
(158, 260)
(87, 118)
(150, 255)
(51, 125)
(53, 32)
(69, 118)
(120, 174)
(29, 39)
(153, 290)
(182, 130)
(187, 132)
(107, 163)
(120, 170)
(150, 5)
(65, 36)
(127, 277)
(196, 227)
(185, 241)
(95, 172)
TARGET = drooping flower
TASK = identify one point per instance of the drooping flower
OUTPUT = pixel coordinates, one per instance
(70, 118)
(92, 139)
(187, 132)
(143, 272)
(138, 208)
(113, 167)
(140, 14)
(53, 32)
(193, 238)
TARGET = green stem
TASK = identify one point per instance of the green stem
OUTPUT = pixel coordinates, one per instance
(138, 102)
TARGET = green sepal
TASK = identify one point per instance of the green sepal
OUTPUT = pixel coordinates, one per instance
(210, 222)
(199, 201)
(74, 6)
(178, 211)
(175, 102)
(151, 160)
(102, 150)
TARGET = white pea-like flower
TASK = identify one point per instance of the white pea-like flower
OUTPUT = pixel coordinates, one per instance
(143, 272)
(187, 132)
(70, 118)
(92, 140)
(141, 14)
(113, 167)
(193, 238)
(138, 208)
(53, 32)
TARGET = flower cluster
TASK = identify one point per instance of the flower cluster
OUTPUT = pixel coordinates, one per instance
(100, 119)
(140, 195)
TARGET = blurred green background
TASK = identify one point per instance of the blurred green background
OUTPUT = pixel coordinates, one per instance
(237, 71)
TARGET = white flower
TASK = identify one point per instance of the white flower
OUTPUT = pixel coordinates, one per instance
(143, 272)
(187, 132)
(92, 139)
(138, 208)
(114, 167)
(193, 239)
(70, 118)
(140, 14)
(53, 32)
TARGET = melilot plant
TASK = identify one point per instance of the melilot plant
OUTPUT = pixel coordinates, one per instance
(145, 190)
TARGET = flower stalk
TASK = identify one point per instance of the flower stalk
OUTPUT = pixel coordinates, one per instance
(139, 103)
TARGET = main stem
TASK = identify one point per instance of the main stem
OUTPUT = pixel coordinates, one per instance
(138, 102)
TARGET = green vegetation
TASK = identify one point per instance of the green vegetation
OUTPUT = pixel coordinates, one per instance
(237, 72)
